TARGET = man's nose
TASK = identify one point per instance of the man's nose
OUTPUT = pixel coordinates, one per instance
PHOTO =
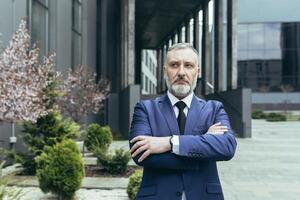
(181, 70)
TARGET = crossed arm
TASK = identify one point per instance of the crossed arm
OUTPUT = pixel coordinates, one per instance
(149, 151)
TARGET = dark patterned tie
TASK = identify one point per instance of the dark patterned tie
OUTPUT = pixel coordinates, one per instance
(181, 116)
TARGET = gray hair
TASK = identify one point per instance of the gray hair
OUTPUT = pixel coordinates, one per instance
(182, 46)
(178, 46)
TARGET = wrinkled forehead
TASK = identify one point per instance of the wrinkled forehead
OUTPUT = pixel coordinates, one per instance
(186, 55)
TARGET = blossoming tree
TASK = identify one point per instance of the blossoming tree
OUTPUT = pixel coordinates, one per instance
(24, 80)
(83, 95)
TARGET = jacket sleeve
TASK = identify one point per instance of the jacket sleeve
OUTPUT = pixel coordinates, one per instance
(140, 126)
(208, 146)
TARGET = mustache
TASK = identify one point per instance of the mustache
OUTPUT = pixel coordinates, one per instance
(181, 78)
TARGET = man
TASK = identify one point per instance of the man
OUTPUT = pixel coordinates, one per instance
(178, 137)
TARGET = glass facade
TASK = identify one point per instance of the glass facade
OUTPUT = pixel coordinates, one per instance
(76, 32)
(39, 27)
(269, 56)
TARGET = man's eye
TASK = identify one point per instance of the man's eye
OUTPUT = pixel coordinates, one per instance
(188, 65)
(174, 64)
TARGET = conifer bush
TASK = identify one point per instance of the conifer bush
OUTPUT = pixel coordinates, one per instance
(60, 169)
(134, 184)
(47, 131)
(98, 137)
(116, 163)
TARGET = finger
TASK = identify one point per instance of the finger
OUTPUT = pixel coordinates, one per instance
(216, 133)
(216, 124)
(137, 145)
(145, 155)
(141, 149)
(137, 138)
(219, 126)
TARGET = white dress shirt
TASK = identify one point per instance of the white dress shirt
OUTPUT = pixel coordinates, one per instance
(187, 100)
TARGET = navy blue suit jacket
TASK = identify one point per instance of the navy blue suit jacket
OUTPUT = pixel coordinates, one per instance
(194, 170)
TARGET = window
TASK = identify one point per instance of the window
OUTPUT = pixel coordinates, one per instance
(39, 25)
(76, 32)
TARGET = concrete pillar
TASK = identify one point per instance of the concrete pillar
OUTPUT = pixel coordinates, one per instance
(218, 44)
(164, 57)
(187, 31)
(179, 34)
(173, 38)
(127, 42)
(205, 46)
(231, 44)
(138, 65)
(196, 43)
(159, 71)
(196, 39)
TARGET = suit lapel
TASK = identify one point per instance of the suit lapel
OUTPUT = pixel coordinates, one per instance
(193, 115)
(169, 115)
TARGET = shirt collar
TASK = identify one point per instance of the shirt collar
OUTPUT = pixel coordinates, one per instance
(187, 100)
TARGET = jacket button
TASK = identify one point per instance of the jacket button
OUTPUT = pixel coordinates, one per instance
(178, 193)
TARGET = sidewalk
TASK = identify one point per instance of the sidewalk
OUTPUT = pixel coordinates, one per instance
(265, 167)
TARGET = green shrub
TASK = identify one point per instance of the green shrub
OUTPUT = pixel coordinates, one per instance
(47, 131)
(134, 183)
(28, 163)
(258, 114)
(4, 193)
(114, 164)
(98, 137)
(60, 169)
(2, 182)
(274, 117)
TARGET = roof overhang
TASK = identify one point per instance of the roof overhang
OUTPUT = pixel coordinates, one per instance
(156, 20)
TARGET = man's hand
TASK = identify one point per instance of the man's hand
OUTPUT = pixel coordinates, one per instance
(217, 129)
(149, 145)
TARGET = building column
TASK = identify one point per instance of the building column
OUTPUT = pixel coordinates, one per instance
(231, 44)
(138, 65)
(196, 31)
(179, 35)
(196, 44)
(159, 71)
(218, 44)
(173, 38)
(205, 46)
(164, 57)
(127, 42)
(187, 31)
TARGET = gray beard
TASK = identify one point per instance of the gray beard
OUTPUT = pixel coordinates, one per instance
(180, 90)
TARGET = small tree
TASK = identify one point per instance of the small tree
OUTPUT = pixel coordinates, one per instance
(24, 80)
(83, 94)
(60, 169)
(47, 131)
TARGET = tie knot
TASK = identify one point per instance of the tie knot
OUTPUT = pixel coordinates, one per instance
(180, 105)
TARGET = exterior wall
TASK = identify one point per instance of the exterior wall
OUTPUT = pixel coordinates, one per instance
(58, 38)
(149, 68)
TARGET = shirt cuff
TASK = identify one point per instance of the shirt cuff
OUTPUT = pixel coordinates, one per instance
(175, 141)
